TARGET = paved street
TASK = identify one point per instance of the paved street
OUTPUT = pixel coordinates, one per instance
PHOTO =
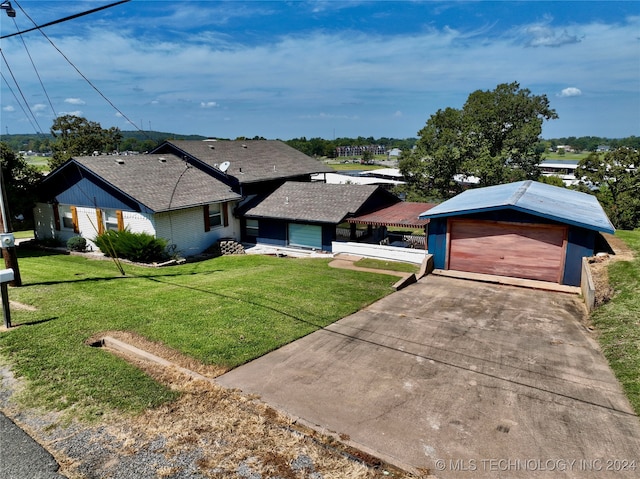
(21, 457)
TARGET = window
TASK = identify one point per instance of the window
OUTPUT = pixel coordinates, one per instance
(111, 220)
(67, 221)
(252, 228)
(69, 217)
(215, 215)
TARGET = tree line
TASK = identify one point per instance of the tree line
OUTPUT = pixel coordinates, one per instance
(142, 141)
(493, 139)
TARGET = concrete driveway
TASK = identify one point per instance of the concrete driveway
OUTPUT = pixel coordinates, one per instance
(462, 378)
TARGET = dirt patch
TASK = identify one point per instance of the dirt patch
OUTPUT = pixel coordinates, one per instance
(23, 307)
(158, 349)
(211, 432)
(599, 266)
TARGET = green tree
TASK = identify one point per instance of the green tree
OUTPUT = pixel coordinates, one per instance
(493, 138)
(20, 180)
(617, 181)
(552, 180)
(77, 136)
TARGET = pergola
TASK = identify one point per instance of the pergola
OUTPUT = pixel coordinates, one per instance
(399, 215)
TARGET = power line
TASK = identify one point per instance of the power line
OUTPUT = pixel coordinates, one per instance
(71, 17)
(89, 82)
(20, 90)
(19, 103)
(36, 70)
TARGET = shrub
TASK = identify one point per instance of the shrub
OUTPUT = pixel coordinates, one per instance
(76, 243)
(139, 247)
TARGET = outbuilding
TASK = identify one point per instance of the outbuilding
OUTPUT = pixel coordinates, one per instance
(524, 229)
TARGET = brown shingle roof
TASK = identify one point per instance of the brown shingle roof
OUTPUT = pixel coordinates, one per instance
(251, 160)
(159, 182)
(404, 214)
(314, 202)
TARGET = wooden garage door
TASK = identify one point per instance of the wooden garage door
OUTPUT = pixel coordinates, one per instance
(521, 250)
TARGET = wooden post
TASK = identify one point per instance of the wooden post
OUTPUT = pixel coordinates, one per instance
(9, 253)
(6, 311)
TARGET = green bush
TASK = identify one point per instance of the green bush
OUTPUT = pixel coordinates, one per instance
(138, 247)
(76, 243)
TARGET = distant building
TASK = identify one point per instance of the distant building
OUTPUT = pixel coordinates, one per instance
(359, 150)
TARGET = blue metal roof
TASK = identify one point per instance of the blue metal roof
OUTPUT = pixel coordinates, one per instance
(539, 199)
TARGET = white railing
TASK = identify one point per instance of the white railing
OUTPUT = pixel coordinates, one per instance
(346, 233)
(409, 255)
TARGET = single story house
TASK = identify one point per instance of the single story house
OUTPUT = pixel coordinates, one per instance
(158, 194)
(307, 214)
(524, 229)
(185, 191)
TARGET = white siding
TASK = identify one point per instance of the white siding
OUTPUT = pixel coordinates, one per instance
(185, 229)
(138, 222)
(87, 224)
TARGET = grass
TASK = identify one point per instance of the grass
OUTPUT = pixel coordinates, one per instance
(225, 311)
(23, 234)
(40, 162)
(567, 156)
(618, 321)
(353, 166)
(387, 265)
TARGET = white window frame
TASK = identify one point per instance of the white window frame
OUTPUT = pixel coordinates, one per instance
(66, 217)
(110, 220)
(215, 215)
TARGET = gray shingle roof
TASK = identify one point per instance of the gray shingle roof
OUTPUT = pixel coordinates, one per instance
(313, 202)
(252, 160)
(159, 182)
(539, 199)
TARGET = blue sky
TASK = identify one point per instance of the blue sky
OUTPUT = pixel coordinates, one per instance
(286, 69)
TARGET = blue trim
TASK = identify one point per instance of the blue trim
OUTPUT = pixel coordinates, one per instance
(559, 219)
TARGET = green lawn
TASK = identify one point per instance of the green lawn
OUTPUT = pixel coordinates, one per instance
(223, 311)
(353, 166)
(40, 162)
(387, 265)
(618, 321)
(23, 234)
(550, 156)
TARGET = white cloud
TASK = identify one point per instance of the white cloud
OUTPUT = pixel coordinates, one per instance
(38, 107)
(329, 116)
(8, 108)
(73, 113)
(571, 91)
(74, 101)
(541, 35)
(352, 75)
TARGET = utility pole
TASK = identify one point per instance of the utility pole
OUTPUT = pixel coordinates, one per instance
(8, 248)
